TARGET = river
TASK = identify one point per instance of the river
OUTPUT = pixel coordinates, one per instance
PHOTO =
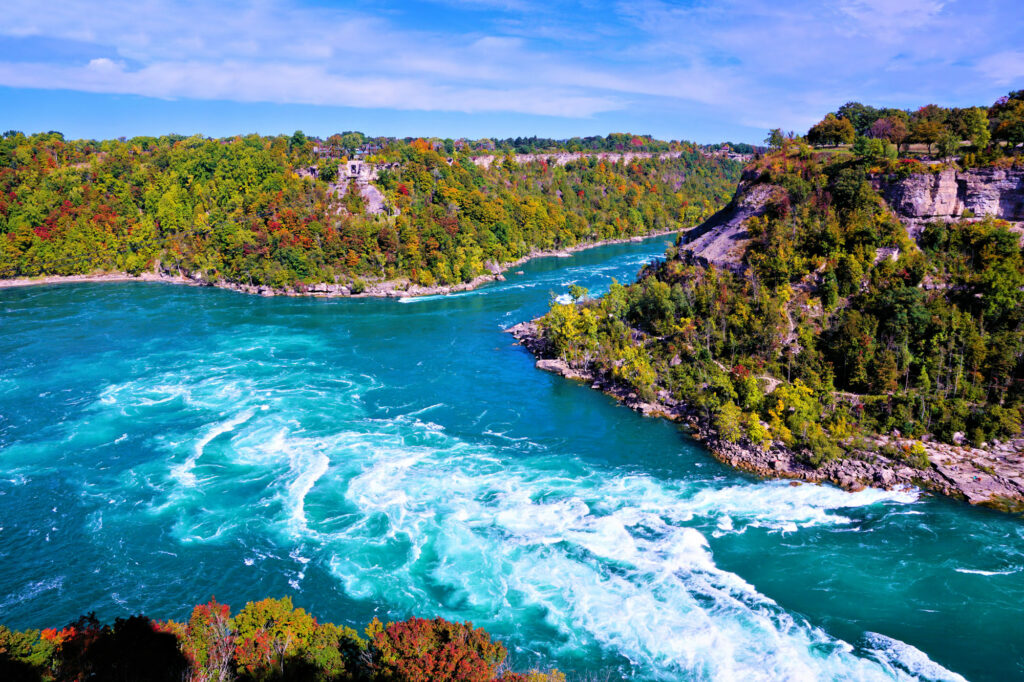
(161, 444)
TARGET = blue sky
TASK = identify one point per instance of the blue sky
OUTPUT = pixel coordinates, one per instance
(683, 69)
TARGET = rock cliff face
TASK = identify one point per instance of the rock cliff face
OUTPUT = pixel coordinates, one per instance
(562, 158)
(946, 195)
(722, 239)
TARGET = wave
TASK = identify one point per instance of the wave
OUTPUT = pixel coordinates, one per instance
(904, 660)
(183, 472)
(552, 553)
(977, 571)
(402, 513)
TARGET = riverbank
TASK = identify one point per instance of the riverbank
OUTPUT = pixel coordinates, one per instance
(394, 288)
(992, 477)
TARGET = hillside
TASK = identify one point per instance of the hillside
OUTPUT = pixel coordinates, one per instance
(847, 316)
(294, 215)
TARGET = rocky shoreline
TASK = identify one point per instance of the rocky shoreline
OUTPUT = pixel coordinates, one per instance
(992, 477)
(394, 288)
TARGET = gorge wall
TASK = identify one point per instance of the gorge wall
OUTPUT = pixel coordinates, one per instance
(948, 194)
(722, 240)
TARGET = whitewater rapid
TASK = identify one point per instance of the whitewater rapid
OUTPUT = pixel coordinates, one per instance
(400, 512)
(159, 446)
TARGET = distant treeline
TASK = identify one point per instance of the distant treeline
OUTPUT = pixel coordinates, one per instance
(944, 128)
(266, 640)
(248, 210)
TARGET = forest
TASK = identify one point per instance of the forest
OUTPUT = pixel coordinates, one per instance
(837, 325)
(944, 130)
(266, 640)
(273, 210)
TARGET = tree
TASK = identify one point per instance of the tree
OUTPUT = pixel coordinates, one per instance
(208, 641)
(976, 124)
(891, 128)
(860, 115)
(729, 422)
(775, 138)
(269, 633)
(419, 650)
(1007, 116)
(927, 131)
(328, 172)
(297, 141)
(578, 293)
(948, 144)
(872, 148)
(831, 131)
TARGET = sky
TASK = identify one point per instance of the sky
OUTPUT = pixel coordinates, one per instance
(697, 70)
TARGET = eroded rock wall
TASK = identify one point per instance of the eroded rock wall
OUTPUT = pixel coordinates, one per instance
(948, 194)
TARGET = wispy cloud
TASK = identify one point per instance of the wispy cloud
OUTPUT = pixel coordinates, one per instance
(750, 64)
(1004, 68)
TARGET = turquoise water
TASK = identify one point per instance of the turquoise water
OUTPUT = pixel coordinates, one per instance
(161, 444)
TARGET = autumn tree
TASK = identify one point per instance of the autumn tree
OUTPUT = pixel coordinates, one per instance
(831, 131)
(891, 128)
(1007, 116)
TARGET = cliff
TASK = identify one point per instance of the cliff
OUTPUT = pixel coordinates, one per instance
(722, 240)
(805, 355)
(946, 195)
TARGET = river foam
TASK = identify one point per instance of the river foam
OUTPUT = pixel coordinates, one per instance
(369, 458)
(402, 513)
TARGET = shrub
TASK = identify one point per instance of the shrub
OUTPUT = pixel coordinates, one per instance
(419, 650)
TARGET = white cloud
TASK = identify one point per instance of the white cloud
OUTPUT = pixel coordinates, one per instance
(103, 65)
(299, 84)
(758, 63)
(893, 16)
(1005, 68)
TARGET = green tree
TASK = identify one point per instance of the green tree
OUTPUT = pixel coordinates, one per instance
(977, 127)
(927, 131)
(729, 422)
(832, 131)
(775, 138)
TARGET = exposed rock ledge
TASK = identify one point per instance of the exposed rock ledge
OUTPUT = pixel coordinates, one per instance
(722, 239)
(946, 195)
(992, 477)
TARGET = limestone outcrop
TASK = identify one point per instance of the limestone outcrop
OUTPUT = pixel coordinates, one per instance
(722, 239)
(946, 195)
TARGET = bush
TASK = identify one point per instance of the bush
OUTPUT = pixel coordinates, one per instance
(419, 650)
(267, 640)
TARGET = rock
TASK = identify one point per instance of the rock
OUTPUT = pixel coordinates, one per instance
(722, 239)
(947, 194)
(885, 477)
(556, 366)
